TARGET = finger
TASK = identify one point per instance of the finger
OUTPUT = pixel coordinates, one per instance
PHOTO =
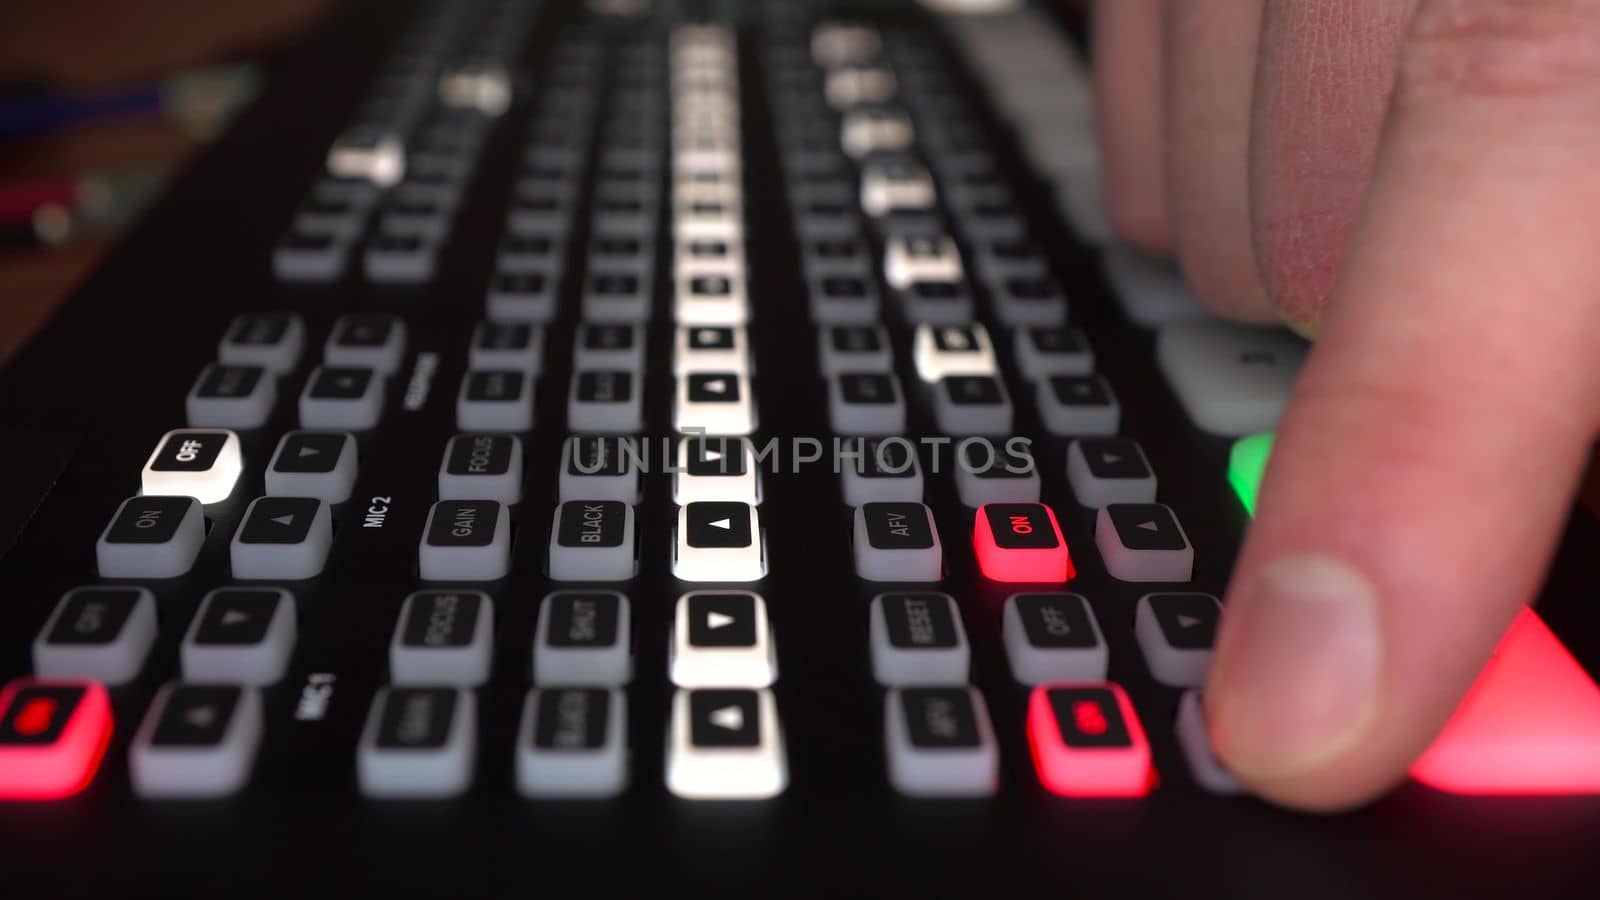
(1322, 85)
(1432, 446)
(1128, 116)
(1211, 54)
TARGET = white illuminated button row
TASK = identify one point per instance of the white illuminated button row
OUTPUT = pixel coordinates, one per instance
(913, 258)
(703, 348)
(719, 541)
(203, 463)
(725, 744)
(941, 350)
(722, 639)
(714, 403)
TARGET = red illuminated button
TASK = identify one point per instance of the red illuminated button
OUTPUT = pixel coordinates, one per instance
(1087, 741)
(53, 732)
(1530, 724)
(1021, 542)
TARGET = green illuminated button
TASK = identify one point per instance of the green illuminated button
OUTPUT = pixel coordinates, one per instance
(1246, 463)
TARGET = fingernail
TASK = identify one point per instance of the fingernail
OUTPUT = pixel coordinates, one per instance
(1298, 667)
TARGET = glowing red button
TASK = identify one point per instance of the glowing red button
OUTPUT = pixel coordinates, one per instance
(1530, 724)
(53, 732)
(1021, 542)
(1087, 741)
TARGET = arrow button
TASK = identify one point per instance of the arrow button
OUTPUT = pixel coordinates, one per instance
(721, 620)
(724, 718)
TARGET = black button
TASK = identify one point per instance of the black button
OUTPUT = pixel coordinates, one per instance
(196, 716)
(93, 616)
(1188, 621)
(867, 388)
(718, 524)
(189, 451)
(416, 718)
(339, 383)
(237, 618)
(527, 283)
(713, 387)
(259, 329)
(1021, 526)
(592, 523)
(706, 338)
(1114, 458)
(583, 620)
(505, 336)
(919, 620)
(712, 457)
(229, 382)
(844, 288)
(715, 286)
(440, 619)
(1055, 620)
(1146, 526)
(722, 620)
(610, 283)
(149, 520)
(940, 718)
(974, 390)
(1079, 390)
(572, 719)
(38, 714)
(605, 387)
(309, 453)
(1031, 289)
(937, 290)
(279, 520)
(724, 718)
(463, 523)
(365, 331)
(494, 386)
(480, 454)
(1089, 717)
(898, 526)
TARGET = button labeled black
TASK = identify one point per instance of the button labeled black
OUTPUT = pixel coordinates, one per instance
(919, 620)
(1089, 718)
(196, 716)
(441, 619)
(416, 718)
(898, 526)
(597, 523)
(722, 620)
(724, 718)
(464, 523)
(940, 718)
(572, 718)
(718, 524)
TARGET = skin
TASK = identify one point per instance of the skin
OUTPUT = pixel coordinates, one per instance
(1418, 191)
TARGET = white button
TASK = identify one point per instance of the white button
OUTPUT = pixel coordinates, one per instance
(714, 403)
(897, 184)
(203, 463)
(910, 258)
(1103, 471)
(1075, 405)
(866, 404)
(313, 464)
(835, 44)
(1052, 637)
(240, 636)
(443, 637)
(609, 346)
(702, 348)
(972, 404)
(583, 637)
(1196, 744)
(600, 467)
(482, 467)
(867, 131)
(466, 540)
(151, 537)
(342, 399)
(231, 397)
(881, 471)
(103, 633)
(1152, 291)
(495, 400)
(1176, 633)
(918, 639)
(573, 743)
(273, 341)
(1232, 380)
(507, 345)
(940, 350)
(713, 297)
(992, 472)
(719, 541)
(371, 153)
(854, 86)
(367, 341)
(897, 542)
(716, 469)
(1143, 542)
(418, 743)
(282, 538)
(1042, 352)
(722, 639)
(593, 540)
(196, 741)
(854, 348)
(605, 402)
(725, 744)
(940, 743)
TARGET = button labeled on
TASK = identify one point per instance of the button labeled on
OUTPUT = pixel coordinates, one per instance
(151, 537)
(1021, 542)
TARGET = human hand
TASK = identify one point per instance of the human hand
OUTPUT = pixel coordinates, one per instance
(1414, 181)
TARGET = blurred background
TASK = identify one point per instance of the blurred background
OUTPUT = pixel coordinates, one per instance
(100, 101)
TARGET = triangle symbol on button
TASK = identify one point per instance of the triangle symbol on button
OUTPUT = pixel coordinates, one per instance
(729, 717)
(1111, 459)
(717, 386)
(715, 619)
(231, 617)
(705, 336)
(307, 450)
(724, 524)
(1149, 526)
(286, 520)
(201, 716)
(713, 455)
(1187, 621)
